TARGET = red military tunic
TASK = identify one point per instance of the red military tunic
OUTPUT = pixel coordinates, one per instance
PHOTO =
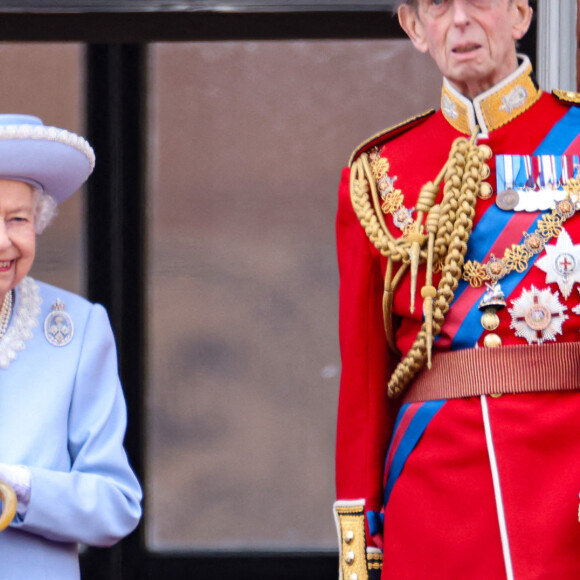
(453, 497)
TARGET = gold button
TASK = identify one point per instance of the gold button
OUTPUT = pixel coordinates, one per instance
(490, 320)
(349, 537)
(485, 191)
(486, 152)
(353, 576)
(495, 395)
(492, 341)
(349, 558)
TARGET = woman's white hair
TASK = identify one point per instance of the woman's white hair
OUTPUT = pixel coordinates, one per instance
(45, 210)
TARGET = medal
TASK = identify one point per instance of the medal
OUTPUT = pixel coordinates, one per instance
(495, 268)
(561, 263)
(537, 315)
(403, 217)
(518, 257)
(58, 325)
(532, 183)
(565, 208)
(507, 199)
(534, 243)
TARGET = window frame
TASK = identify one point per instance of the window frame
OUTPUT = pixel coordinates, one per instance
(116, 76)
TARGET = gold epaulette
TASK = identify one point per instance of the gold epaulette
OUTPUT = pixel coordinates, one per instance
(388, 134)
(567, 96)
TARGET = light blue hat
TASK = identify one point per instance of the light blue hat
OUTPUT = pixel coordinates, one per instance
(55, 160)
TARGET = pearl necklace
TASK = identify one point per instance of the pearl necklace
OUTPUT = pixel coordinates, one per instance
(27, 303)
(5, 313)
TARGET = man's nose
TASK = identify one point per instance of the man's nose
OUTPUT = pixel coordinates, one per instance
(461, 12)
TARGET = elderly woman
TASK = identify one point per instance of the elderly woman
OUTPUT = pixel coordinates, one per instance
(63, 411)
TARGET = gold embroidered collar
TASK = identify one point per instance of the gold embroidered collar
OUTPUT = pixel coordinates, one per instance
(496, 106)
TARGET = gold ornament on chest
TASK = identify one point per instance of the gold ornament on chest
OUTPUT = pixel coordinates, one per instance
(493, 300)
(391, 197)
(434, 234)
(517, 257)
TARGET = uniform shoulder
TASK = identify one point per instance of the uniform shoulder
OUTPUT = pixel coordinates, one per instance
(567, 96)
(389, 134)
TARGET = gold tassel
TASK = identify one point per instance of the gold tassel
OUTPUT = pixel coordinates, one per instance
(417, 239)
(429, 292)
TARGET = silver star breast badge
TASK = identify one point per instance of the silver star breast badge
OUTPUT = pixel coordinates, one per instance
(562, 263)
(537, 315)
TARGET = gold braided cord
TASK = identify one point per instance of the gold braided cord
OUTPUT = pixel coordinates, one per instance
(450, 202)
(449, 226)
(391, 283)
(364, 198)
(462, 183)
(375, 194)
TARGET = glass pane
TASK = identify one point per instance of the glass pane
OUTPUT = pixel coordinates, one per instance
(46, 80)
(247, 142)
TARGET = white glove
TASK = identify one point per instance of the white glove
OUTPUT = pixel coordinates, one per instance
(18, 478)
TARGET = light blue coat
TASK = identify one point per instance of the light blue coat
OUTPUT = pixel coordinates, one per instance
(63, 415)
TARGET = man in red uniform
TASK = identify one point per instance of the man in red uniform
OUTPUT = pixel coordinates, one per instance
(458, 448)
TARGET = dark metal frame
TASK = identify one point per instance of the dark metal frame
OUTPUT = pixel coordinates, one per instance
(181, 6)
(116, 119)
(205, 25)
(116, 126)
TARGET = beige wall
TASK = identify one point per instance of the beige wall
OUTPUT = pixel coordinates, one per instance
(247, 143)
(46, 80)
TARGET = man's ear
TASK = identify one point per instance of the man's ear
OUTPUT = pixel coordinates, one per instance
(410, 23)
(521, 18)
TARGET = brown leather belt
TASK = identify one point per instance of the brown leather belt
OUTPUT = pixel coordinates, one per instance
(505, 370)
